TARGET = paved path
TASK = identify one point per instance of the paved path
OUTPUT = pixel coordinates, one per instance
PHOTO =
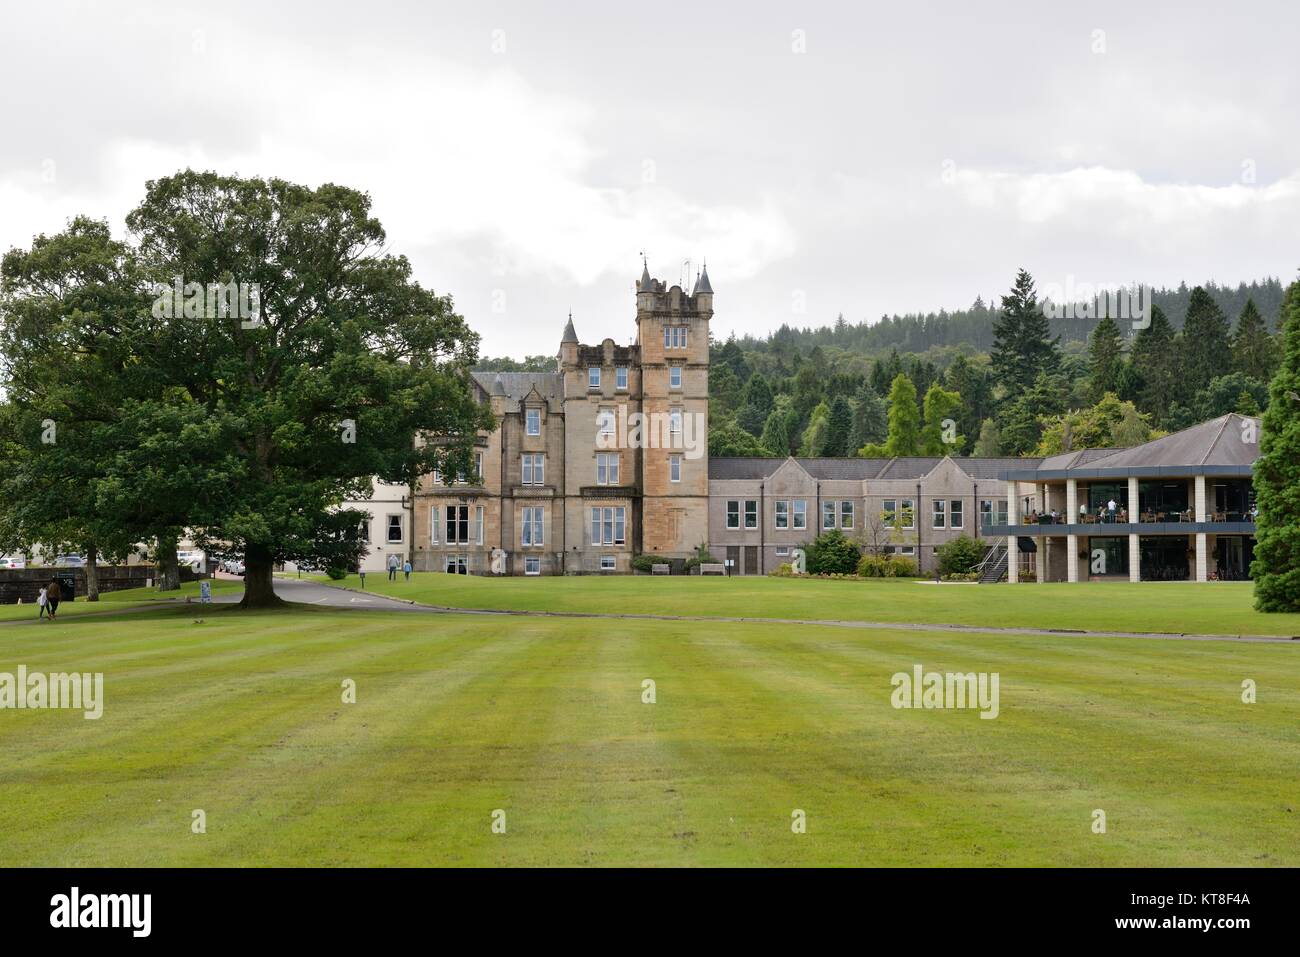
(331, 596)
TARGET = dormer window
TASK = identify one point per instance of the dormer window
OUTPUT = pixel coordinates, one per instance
(593, 377)
(534, 421)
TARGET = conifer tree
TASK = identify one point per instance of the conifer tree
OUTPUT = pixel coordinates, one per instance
(1022, 347)
(1105, 359)
(1276, 568)
(1207, 342)
(1254, 351)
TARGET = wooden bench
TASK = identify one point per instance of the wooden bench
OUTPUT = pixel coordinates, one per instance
(713, 568)
(660, 569)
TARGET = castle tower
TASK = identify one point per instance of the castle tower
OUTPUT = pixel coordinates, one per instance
(673, 342)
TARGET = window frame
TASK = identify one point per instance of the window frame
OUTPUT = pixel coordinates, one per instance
(532, 531)
(533, 417)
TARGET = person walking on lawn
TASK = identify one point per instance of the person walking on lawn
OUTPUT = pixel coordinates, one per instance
(392, 568)
(406, 569)
(41, 600)
(53, 592)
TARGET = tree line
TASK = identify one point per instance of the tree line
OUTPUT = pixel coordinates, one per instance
(1029, 393)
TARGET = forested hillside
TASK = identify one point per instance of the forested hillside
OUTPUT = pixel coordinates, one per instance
(996, 379)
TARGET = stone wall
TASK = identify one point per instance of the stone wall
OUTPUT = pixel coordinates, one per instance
(26, 583)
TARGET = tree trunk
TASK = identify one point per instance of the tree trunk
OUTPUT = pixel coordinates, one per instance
(92, 573)
(259, 588)
(169, 569)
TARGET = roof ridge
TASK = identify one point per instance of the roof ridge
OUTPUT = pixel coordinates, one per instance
(1210, 447)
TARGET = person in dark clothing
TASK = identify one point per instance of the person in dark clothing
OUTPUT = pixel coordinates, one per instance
(53, 593)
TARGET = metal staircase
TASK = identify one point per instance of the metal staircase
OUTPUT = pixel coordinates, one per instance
(994, 566)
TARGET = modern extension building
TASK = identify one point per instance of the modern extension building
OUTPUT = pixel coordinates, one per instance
(760, 509)
(606, 457)
(1177, 508)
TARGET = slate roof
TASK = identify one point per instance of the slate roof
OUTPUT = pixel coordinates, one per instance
(851, 469)
(1216, 442)
(842, 468)
(992, 468)
(519, 384)
(746, 467)
(1072, 460)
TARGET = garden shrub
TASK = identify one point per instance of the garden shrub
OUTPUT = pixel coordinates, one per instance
(832, 553)
(959, 556)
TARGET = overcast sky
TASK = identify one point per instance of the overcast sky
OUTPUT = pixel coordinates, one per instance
(862, 158)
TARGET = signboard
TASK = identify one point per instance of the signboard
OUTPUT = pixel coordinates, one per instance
(67, 585)
(205, 592)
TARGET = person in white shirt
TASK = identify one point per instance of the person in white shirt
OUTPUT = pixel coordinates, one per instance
(1110, 507)
(41, 599)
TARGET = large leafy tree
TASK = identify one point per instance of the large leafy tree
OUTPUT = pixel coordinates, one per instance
(347, 362)
(69, 318)
(1276, 568)
(1023, 348)
(1111, 423)
(726, 438)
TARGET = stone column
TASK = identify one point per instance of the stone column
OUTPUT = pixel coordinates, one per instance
(1013, 548)
(1040, 566)
(1201, 563)
(1199, 494)
(1072, 541)
(1072, 501)
(1134, 559)
(1072, 558)
(1133, 512)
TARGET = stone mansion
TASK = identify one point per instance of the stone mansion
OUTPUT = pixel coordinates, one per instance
(606, 457)
(568, 483)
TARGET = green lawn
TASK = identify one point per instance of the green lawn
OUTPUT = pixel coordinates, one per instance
(115, 600)
(1183, 607)
(457, 716)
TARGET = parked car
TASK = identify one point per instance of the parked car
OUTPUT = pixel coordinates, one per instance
(69, 561)
(13, 561)
(194, 559)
